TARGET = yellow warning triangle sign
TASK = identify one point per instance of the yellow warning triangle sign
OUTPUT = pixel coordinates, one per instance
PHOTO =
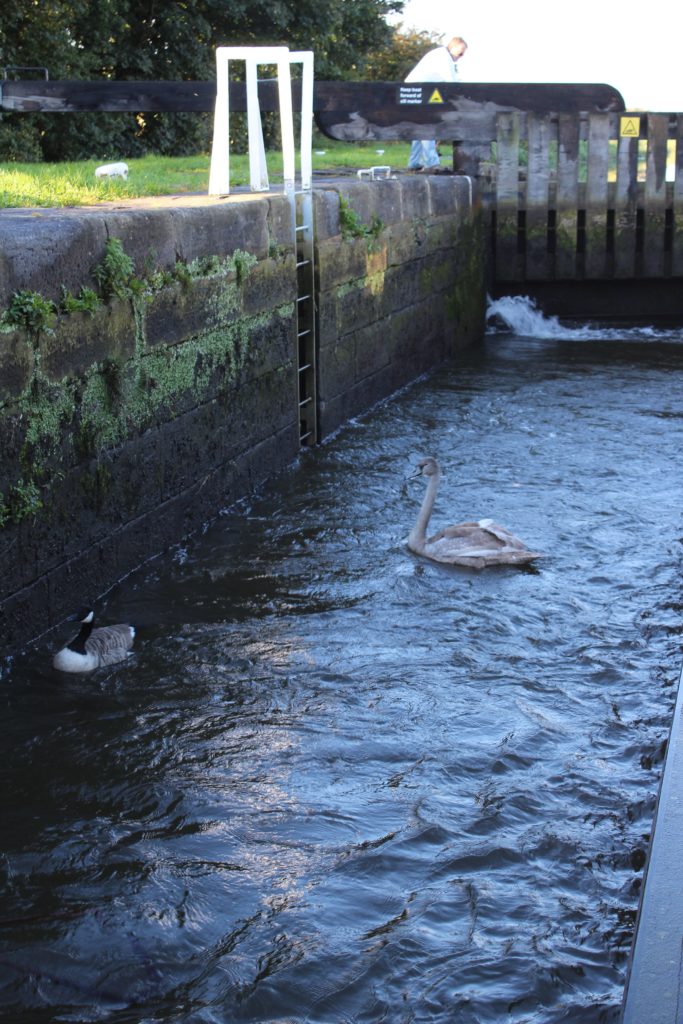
(629, 127)
(436, 97)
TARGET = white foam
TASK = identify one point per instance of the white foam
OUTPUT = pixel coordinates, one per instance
(519, 314)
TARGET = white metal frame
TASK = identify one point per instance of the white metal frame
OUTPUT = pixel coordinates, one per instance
(219, 176)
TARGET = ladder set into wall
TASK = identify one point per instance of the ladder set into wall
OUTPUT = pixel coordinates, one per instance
(300, 199)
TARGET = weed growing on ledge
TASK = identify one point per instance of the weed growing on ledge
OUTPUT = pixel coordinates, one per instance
(277, 251)
(351, 224)
(114, 274)
(31, 312)
(239, 264)
(87, 301)
(353, 227)
(242, 262)
(23, 500)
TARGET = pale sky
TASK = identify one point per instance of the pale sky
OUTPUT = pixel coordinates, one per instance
(636, 47)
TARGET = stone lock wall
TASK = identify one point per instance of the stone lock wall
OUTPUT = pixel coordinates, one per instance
(399, 297)
(169, 389)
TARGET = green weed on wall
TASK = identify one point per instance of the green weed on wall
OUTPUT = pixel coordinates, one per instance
(54, 424)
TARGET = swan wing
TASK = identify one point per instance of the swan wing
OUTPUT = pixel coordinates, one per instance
(464, 531)
(501, 533)
(478, 545)
(473, 544)
(484, 534)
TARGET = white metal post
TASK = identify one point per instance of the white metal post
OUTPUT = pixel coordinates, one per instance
(258, 172)
(219, 175)
(305, 58)
(284, 86)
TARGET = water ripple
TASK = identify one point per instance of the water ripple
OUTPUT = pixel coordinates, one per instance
(339, 783)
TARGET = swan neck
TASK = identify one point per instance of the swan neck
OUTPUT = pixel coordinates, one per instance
(419, 532)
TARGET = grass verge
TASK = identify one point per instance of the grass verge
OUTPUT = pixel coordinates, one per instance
(75, 184)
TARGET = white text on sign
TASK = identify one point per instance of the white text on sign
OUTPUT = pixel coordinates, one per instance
(410, 94)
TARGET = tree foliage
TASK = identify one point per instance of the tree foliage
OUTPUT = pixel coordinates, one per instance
(392, 61)
(151, 39)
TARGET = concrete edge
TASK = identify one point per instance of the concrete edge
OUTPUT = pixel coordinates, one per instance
(654, 983)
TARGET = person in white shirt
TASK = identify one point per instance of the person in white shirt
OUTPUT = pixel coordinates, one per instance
(438, 65)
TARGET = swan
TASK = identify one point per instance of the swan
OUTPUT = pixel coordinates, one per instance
(93, 648)
(475, 544)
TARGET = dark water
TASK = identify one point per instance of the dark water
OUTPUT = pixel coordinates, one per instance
(338, 783)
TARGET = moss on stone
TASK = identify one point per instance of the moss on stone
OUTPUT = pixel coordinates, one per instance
(464, 304)
(46, 409)
(435, 277)
(80, 417)
(376, 263)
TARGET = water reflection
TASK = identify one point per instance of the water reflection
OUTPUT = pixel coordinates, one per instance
(338, 782)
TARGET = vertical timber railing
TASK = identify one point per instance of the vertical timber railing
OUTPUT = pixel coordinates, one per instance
(300, 199)
(587, 197)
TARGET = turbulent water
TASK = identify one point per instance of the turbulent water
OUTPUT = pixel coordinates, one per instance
(338, 783)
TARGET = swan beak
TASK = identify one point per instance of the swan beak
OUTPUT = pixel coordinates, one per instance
(408, 480)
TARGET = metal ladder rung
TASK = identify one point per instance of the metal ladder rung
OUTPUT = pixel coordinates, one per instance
(302, 230)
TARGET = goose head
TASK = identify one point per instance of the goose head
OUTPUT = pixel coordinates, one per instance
(85, 616)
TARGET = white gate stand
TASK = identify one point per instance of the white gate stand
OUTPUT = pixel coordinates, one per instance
(219, 176)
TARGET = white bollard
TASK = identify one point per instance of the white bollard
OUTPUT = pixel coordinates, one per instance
(112, 171)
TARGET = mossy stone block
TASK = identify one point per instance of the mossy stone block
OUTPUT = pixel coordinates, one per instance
(339, 260)
(16, 364)
(268, 284)
(79, 340)
(182, 311)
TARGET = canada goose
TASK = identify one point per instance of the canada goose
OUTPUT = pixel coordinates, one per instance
(93, 648)
(475, 544)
